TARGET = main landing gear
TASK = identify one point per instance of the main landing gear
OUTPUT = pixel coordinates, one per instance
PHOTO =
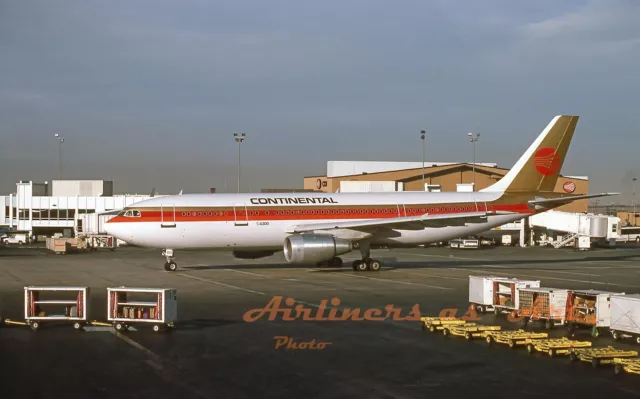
(170, 265)
(366, 263)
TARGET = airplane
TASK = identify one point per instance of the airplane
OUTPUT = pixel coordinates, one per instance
(316, 228)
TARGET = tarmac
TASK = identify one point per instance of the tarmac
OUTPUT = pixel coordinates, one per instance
(222, 348)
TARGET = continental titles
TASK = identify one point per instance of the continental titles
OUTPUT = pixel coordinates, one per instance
(299, 200)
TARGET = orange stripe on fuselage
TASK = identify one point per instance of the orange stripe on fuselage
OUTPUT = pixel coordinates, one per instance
(200, 214)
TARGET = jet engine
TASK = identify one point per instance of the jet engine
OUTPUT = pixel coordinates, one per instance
(314, 248)
(252, 254)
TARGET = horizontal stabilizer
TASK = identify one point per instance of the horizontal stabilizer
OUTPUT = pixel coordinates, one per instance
(566, 200)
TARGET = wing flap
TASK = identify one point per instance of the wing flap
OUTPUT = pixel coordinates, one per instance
(407, 222)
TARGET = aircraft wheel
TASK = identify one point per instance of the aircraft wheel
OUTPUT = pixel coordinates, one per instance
(170, 266)
(360, 266)
(374, 265)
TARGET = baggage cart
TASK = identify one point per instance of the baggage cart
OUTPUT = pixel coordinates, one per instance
(433, 324)
(481, 292)
(630, 365)
(505, 293)
(598, 356)
(555, 346)
(469, 330)
(589, 309)
(159, 307)
(625, 316)
(513, 338)
(543, 304)
(71, 309)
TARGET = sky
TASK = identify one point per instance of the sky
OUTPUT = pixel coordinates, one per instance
(148, 93)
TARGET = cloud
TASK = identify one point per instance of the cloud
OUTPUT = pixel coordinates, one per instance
(599, 27)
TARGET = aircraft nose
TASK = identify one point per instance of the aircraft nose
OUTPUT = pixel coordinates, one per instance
(110, 228)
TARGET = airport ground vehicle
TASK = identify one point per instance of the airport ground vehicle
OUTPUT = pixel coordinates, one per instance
(506, 296)
(543, 304)
(625, 316)
(481, 292)
(589, 309)
(157, 307)
(38, 310)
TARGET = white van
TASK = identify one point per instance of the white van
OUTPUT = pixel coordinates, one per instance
(15, 239)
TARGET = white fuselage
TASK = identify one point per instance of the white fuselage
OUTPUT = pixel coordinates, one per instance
(253, 222)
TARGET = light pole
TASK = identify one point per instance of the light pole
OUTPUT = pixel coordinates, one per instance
(473, 141)
(422, 136)
(60, 140)
(634, 200)
(239, 139)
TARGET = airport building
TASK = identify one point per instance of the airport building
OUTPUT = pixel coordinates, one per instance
(44, 209)
(358, 176)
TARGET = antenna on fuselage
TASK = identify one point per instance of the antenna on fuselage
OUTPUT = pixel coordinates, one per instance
(180, 193)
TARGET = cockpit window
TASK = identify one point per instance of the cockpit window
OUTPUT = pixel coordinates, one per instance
(130, 213)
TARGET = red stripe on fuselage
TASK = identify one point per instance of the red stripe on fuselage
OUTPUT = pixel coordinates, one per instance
(308, 213)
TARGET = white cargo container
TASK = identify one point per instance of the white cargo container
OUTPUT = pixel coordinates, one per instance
(481, 292)
(589, 309)
(625, 316)
(543, 304)
(506, 293)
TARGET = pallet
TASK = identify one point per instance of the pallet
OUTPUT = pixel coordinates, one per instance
(513, 338)
(630, 365)
(469, 331)
(556, 346)
(599, 356)
(433, 324)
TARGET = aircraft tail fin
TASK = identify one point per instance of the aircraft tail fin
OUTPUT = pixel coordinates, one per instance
(539, 167)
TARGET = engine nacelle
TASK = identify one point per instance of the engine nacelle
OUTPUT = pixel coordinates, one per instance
(252, 254)
(314, 248)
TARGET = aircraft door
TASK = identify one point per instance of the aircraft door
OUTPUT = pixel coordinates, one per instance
(167, 215)
(241, 216)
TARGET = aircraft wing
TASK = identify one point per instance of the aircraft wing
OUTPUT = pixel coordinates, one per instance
(405, 223)
(568, 199)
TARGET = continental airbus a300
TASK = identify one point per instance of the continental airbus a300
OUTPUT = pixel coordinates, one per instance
(316, 228)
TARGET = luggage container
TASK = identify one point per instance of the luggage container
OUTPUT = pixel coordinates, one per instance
(38, 310)
(505, 293)
(481, 292)
(543, 304)
(160, 309)
(589, 309)
(625, 316)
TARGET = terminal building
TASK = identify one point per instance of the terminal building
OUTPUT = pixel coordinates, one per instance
(45, 209)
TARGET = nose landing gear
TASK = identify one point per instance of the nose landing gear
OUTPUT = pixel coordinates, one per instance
(170, 265)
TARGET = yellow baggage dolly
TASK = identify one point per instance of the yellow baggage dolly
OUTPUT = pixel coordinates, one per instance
(469, 330)
(598, 356)
(513, 338)
(555, 346)
(630, 365)
(433, 324)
